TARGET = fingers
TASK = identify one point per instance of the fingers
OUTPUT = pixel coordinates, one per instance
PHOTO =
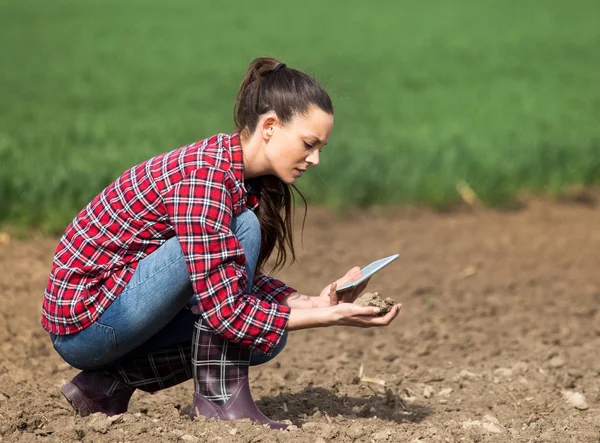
(353, 270)
(347, 296)
(361, 287)
(390, 316)
(350, 295)
(353, 274)
(333, 296)
(384, 320)
(364, 311)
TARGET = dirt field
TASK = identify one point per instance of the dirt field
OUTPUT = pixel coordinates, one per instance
(501, 321)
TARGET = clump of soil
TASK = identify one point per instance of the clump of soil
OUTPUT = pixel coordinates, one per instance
(373, 299)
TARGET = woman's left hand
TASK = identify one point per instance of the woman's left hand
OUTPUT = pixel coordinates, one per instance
(329, 296)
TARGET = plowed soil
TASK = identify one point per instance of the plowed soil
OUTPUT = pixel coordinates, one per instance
(500, 323)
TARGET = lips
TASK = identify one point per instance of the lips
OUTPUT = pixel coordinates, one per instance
(299, 171)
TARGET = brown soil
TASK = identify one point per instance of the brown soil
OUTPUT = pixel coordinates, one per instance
(373, 299)
(500, 326)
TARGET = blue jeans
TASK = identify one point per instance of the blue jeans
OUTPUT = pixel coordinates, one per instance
(150, 313)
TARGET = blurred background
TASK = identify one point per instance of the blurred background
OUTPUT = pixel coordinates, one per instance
(500, 95)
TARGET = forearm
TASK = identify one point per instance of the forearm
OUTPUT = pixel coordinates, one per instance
(299, 301)
(308, 318)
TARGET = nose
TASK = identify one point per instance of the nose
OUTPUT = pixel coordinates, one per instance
(313, 158)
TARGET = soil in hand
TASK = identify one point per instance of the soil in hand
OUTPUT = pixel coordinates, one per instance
(373, 299)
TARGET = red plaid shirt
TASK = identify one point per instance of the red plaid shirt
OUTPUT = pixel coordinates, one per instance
(192, 192)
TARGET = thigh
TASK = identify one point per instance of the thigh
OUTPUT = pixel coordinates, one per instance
(86, 349)
(157, 292)
(178, 331)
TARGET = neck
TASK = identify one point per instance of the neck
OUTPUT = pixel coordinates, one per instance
(255, 162)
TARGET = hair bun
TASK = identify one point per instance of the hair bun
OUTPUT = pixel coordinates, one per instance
(278, 67)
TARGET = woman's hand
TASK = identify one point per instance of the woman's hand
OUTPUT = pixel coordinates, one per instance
(329, 296)
(349, 314)
(342, 314)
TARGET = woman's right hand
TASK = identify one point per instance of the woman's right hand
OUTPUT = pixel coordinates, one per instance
(349, 314)
(342, 314)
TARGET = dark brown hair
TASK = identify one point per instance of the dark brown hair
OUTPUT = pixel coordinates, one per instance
(288, 92)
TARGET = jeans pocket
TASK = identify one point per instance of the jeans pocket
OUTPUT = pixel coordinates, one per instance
(90, 348)
(107, 335)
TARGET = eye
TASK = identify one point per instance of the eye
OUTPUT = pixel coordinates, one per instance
(308, 145)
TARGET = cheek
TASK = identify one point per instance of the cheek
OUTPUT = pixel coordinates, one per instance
(277, 153)
(288, 151)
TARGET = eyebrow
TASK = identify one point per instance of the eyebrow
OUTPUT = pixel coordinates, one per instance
(319, 141)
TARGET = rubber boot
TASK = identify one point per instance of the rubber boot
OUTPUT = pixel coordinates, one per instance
(221, 387)
(97, 391)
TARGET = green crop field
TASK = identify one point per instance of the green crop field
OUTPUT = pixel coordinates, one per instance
(502, 94)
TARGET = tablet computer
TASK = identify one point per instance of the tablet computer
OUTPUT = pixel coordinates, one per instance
(368, 271)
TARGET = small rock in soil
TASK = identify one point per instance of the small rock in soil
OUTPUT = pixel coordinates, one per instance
(520, 368)
(355, 431)
(557, 362)
(466, 375)
(503, 372)
(489, 424)
(382, 435)
(100, 425)
(445, 392)
(576, 399)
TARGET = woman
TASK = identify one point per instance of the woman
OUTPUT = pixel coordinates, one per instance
(159, 279)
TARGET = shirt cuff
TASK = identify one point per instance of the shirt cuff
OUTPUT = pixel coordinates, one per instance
(266, 343)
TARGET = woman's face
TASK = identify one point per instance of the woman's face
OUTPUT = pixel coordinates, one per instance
(295, 146)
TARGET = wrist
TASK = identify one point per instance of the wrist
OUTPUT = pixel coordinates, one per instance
(309, 318)
(326, 316)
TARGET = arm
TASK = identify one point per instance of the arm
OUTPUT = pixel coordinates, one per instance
(297, 300)
(307, 313)
(343, 314)
(274, 290)
(199, 208)
(328, 296)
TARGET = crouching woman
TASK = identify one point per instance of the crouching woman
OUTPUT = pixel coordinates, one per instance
(159, 279)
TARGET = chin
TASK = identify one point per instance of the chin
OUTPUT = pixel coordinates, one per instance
(287, 179)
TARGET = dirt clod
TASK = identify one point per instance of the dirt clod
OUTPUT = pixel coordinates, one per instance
(576, 399)
(557, 362)
(373, 299)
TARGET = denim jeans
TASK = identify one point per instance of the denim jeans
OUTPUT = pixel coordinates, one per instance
(150, 313)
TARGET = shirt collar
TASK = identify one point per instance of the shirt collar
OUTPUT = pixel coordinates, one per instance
(247, 194)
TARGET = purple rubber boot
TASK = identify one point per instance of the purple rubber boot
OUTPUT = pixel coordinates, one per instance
(221, 387)
(97, 391)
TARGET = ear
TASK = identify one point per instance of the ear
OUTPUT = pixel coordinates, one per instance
(268, 124)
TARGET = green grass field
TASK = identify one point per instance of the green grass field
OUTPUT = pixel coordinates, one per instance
(502, 94)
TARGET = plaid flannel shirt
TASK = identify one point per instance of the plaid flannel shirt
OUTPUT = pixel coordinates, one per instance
(192, 192)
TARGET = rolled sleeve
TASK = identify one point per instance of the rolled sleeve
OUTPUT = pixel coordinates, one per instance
(271, 289)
